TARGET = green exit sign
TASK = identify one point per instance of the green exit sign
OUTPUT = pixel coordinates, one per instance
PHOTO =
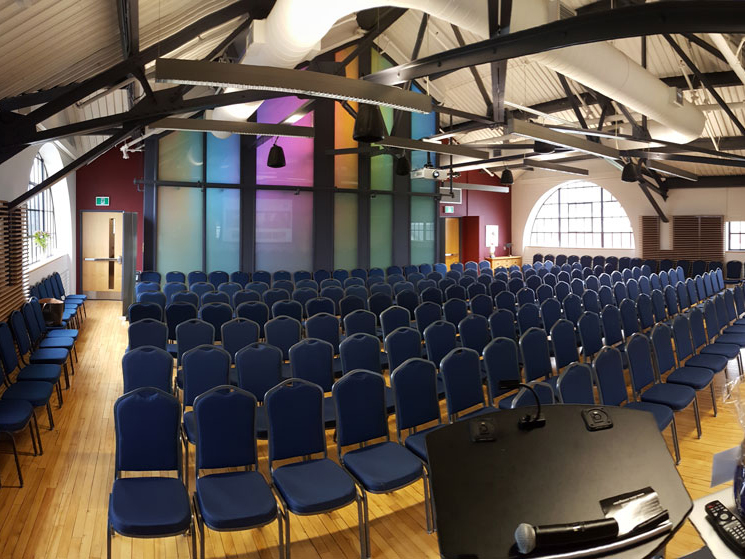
(102, 200)
(449, 209)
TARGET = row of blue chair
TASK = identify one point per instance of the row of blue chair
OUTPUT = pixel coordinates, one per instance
(36, 356)
(218, 277)
(692, 268)
(52, 287)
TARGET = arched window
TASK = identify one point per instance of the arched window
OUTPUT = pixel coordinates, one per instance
(581, 214)
(40, 223)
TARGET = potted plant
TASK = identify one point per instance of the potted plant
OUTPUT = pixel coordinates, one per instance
(41, 238)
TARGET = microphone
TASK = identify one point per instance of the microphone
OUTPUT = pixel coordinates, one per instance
(529, 537)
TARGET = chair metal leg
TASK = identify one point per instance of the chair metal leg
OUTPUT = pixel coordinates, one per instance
(33, 437)
(287, 534)
(49, 414)
(713, 398)
(696, 415)
(280, 526)
(67, 377)
(362, 522)
(75, 352)
(38, 434)
(58, 386)
(674, 431)
(108, 540)
(427, 502)
(72, 365)
(193, 534)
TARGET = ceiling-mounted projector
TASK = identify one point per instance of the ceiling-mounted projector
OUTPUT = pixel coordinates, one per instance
(426, 172)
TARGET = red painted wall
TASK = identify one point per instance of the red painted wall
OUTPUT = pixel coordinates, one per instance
(111, 175)
(491, 208)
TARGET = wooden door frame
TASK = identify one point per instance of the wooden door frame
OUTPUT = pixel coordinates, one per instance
(79, 266)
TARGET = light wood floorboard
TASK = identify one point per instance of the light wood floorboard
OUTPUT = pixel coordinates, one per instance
(61, 510)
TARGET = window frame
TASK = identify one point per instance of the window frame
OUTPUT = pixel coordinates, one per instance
(728, 235)
(40, 215)
(580, 218)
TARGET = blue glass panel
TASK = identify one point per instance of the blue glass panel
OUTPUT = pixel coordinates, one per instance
(224, 159)
(284, 230)
(223, 229)
(179, 235)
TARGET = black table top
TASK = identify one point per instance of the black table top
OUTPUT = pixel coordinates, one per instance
(551, 475)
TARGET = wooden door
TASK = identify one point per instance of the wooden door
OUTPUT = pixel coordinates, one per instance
(101, 234)
(452, 240)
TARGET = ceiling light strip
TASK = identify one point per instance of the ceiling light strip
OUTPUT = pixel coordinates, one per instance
(295, 82)
(234, 127)
(444, 149)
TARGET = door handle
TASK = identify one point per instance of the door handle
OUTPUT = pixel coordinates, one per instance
(118, 259)
(449, 254)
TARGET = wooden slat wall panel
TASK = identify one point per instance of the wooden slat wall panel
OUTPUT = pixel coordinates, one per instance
(13, 266)
(694, 238)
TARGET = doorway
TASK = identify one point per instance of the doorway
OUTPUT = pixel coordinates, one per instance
(102, 235)
(452, 240)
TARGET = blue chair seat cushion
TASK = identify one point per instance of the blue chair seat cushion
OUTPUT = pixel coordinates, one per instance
(662, 414)
(674, 396)
(383, 467)
(715, 363)
(54, 356)
(46, 373)
(63, 333)
(695, 377)
(149, 506)
(57, 343)
(416, 443)
(36, 393)
(730, 351)
(235, 500)
(190, 427)
(14, 415)
(739, 329)
(173, 350)
(77, 296)
(314, 486)
(737, 339)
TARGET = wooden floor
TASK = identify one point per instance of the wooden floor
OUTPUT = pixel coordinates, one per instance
(61, 510)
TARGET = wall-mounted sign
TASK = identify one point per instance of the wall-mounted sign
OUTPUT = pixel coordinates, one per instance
(449, 209)
(102, 200)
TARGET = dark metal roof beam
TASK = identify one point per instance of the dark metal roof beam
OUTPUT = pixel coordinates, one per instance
(645, 186)
(126, 67)
(674, 16)
(474, 73)
(710, 88)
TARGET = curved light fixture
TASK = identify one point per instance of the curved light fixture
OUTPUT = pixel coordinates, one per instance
(295, 82)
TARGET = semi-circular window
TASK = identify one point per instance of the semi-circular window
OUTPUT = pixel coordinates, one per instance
(581, 214)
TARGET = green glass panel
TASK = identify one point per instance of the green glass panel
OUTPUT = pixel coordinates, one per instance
(224, 159)
(179, 234)
(381, 231)
(422, 230)
(223, 229)
(345, 231)
(381, 166)
(284, 230)
(181, 157)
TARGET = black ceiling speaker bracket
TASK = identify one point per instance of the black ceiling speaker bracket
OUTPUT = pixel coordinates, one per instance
(276, 157)
(369, 126)
(507, 178)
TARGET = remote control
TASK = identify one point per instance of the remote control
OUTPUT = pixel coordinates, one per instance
(728, 526)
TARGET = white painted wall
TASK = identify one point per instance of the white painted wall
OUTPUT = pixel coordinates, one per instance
(531, 186)
(14, 175)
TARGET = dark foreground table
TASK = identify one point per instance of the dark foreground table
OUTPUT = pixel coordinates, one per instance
(551, 475)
